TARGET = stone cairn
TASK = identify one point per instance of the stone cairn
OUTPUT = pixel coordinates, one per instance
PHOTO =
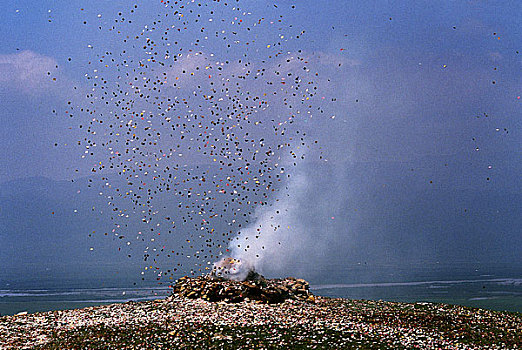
(255, 288)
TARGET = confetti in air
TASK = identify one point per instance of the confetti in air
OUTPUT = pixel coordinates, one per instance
(202, 112)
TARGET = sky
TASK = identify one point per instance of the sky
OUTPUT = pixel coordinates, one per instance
(387, 134)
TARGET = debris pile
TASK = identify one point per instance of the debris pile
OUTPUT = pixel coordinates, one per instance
(256, 289)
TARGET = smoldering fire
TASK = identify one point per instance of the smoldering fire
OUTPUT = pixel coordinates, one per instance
(233, 269)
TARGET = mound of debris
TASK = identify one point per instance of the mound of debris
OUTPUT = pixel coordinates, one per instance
(255, 288)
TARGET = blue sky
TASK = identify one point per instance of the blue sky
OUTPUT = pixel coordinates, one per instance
(422, 97)
(415, 68)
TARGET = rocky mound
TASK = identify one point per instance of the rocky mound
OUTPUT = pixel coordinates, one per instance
(256, 289)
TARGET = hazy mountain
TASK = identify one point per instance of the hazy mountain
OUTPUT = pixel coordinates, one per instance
(374, 214)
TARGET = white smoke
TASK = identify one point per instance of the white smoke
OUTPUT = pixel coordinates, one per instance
(301, 228)
(277, 232)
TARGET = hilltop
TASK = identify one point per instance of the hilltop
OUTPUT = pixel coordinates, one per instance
(177, 323)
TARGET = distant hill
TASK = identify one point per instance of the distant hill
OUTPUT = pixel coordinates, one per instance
(370, 213)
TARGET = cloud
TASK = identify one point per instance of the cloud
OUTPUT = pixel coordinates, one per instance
(188, 69)
(29, 72)
(197, 69)
(328, 59)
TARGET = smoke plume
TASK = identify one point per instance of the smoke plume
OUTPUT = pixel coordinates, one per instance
(277, 234)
